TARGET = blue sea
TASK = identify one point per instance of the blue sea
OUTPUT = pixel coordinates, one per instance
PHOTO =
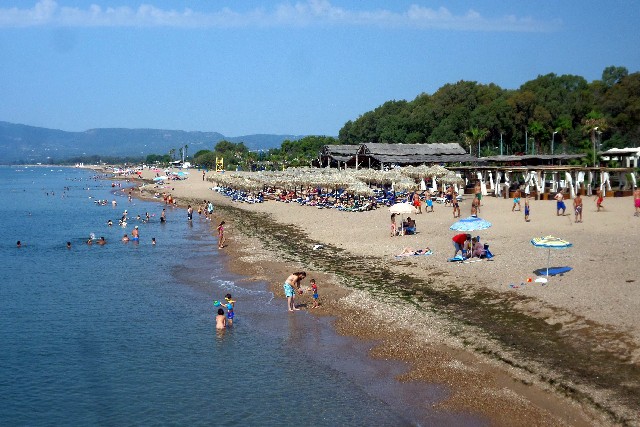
(124, 333)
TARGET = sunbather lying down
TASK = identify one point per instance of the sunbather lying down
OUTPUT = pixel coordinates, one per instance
(411, 251)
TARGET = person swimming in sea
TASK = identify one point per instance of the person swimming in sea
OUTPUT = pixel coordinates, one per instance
(221, 320)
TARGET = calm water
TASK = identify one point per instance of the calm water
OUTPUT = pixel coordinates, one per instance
(125, 333)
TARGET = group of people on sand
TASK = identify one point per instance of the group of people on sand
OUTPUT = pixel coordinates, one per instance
(469, 247)
(292, 287)
(578, 205)
(408, 226)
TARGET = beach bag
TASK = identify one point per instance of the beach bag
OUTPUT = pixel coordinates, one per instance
(487, 252)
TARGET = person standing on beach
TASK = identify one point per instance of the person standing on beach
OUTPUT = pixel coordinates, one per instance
(516, 200)
(416, 202)
(314, 288)
(221, 239)
(526, 209)
(203, 172)
(636, 201)
(209, 210)
(599, 199)
(429, 202)
(475, 207)
(560, 206)
(455, 204)
(394, 227)
(291, 285)
(577, 207)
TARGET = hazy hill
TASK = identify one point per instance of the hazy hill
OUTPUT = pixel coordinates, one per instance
(29, 144)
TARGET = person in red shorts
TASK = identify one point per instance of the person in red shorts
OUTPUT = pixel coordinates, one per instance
(416, 202)
(599, 200)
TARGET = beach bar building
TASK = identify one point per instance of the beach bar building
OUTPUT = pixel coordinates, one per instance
(378, 156)
(543, 181)
(539, 175)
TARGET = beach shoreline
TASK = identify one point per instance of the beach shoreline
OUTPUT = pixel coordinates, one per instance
(449, 354)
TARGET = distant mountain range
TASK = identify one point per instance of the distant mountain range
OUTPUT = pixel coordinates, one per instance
(29, 144)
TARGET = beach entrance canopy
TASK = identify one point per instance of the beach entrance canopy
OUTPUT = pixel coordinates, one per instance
(550, 242)
(472, 223)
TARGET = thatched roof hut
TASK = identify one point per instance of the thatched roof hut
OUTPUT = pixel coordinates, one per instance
(376, 155)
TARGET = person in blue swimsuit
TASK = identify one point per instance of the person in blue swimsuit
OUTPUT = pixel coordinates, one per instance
(229, 304)
(291, 285)
(314, 288)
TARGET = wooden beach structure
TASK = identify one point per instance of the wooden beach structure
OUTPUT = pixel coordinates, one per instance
(539, 176)
(380, 156)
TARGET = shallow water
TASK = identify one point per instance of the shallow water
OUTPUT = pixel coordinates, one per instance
(125, 333)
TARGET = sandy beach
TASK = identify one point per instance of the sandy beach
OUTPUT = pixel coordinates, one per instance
(518, 352)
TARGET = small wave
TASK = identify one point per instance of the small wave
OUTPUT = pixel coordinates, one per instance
(232, 287)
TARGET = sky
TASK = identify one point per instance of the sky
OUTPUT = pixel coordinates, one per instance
(284, 67)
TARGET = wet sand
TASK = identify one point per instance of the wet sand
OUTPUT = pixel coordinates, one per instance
(565, 353)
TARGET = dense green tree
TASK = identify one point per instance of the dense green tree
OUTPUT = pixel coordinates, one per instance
(207, 159)
(613, 75)
(545, 108)
(201, 152)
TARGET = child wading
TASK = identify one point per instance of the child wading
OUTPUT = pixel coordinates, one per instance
(314, 288)
(221, 321)
(230, 304)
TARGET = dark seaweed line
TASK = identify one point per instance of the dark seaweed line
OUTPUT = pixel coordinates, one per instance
(528, 337)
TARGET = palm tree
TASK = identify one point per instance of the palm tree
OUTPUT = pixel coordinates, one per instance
(475, 136)
(172, 153)
(186, 147)
(594, 126)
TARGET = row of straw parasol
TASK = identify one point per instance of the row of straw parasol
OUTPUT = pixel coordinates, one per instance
(353, 181)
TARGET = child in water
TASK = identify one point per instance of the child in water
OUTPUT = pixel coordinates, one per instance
(314, 288)
(221, 321)
(229, 304)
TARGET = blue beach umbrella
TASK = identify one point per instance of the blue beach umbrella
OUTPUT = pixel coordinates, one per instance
(472, 223)
(550, 242)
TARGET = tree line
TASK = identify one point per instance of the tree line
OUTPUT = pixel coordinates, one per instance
(559, 114)
(550, 110)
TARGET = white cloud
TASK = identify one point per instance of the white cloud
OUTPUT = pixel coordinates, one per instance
(299, 14)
